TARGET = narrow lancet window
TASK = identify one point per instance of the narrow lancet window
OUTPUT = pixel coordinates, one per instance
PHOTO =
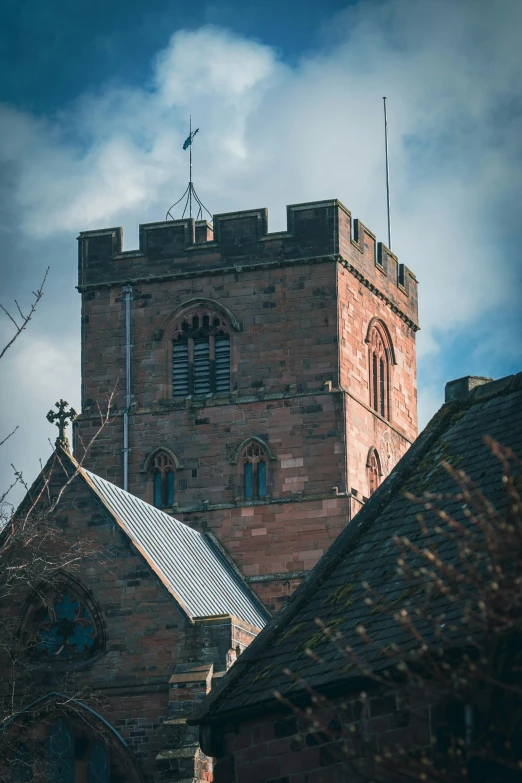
(379, 371)
(164, 480)
(254, 472)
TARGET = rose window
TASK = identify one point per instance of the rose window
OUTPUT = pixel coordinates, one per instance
(67, 629)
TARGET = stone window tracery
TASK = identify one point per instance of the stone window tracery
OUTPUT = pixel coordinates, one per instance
(62, 623)
(379, 366)
(162, 469)
(66, 630)
(69, 760)
(200, 354)
(254, 472)
(73, 746)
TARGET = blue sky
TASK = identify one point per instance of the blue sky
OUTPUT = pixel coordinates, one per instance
(98, 40)
(94, 105)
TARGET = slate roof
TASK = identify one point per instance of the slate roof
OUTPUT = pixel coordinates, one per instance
(365, 552)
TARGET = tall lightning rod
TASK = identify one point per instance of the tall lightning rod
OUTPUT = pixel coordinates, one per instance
(387, 174)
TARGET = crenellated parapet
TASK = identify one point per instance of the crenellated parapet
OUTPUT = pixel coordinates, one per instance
(316, 232)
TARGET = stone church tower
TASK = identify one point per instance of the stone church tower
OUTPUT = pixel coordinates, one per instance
(266, 382)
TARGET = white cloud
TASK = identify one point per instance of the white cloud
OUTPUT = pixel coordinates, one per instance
(272, 134)
(35, 373)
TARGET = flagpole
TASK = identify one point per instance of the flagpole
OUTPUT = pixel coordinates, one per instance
(387, 174)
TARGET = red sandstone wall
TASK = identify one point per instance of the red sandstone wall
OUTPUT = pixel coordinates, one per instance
(365, 429)
(279, 538)
(288, 331)
(287, 346)
(284, 749)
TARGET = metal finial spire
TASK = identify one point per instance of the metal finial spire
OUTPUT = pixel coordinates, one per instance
(60, 419)
(190, 191)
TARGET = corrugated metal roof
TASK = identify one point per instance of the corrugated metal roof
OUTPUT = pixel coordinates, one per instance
(185, 560)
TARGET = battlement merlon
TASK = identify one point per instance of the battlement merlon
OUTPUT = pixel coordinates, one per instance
(316, 231)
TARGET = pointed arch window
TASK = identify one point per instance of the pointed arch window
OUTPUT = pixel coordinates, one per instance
(201, 355)
(373, 466)
(254, 462)
(71, 754)
(379, 354)
(67, 745)
(162, 469)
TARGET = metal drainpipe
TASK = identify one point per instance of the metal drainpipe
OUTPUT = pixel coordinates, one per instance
(127, 292)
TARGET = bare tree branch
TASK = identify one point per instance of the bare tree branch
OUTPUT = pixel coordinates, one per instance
(24, 319)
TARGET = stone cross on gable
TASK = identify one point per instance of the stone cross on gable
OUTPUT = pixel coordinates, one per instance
(60, 419)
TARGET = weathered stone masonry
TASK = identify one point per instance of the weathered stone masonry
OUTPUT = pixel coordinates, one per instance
(302, 302)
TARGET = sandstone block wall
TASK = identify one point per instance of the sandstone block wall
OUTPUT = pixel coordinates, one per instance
(285, 749)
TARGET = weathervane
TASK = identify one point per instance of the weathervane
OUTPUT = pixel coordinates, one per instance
(60, 419)
(190, 191)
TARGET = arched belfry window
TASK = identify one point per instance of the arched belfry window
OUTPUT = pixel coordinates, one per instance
(162, 468)
(373, 466)
(201, 354)
(380, 359)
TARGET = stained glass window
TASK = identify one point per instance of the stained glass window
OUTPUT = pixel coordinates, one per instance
(99, 767)
(67, 629)
(60, 753)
